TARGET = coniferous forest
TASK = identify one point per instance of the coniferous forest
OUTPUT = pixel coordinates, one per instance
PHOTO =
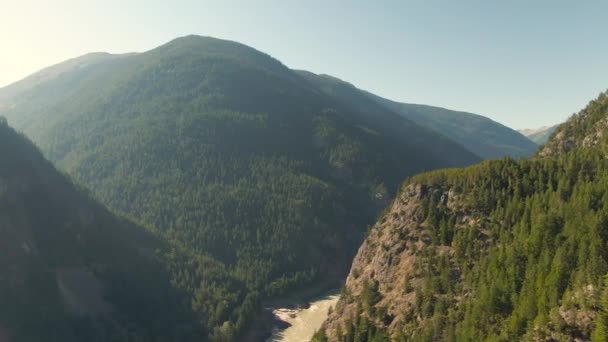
(175, 194)
(263, 184)
(504, 250)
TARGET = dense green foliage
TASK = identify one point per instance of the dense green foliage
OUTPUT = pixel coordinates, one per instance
(541, 249)
(547, 230)
(584, 129)
(263, 181)
(57, 246)
(521, 256)
(600, 329)
(480, 135)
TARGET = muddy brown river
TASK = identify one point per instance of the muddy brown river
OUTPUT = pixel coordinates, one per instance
(304, 322)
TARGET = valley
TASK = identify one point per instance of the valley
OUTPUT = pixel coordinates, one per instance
(207, 189)
(262, 182)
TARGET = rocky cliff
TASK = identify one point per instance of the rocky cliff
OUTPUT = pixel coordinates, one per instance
(504, 250)
(388, 264)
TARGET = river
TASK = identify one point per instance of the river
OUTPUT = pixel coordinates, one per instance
(304, 322)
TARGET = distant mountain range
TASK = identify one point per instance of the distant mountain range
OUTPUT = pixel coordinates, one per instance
(539, 135)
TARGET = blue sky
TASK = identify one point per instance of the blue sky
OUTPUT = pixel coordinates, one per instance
(522, 63)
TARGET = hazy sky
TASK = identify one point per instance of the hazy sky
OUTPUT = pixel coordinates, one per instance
(523, 63)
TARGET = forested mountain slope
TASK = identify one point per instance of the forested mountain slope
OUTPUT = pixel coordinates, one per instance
(226, 151)
(26, 102)
(501, 251)
(70, 270)
(480, 135)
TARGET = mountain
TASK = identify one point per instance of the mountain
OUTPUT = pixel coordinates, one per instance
(541, 135)
(531, 131)
(506, 250)
(586, 129)
(72, 271)
(480, 135)
(225, 151)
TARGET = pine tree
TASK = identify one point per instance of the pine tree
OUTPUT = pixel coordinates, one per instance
(600, 333)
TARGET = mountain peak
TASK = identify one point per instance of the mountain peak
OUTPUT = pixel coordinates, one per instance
(210, 48)
(198, 39)
(206, 44)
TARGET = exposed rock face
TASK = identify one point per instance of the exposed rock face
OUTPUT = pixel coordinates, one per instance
(393, 259)
(389, 257)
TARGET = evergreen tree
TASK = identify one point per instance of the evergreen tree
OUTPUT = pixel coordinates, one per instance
(600, 332)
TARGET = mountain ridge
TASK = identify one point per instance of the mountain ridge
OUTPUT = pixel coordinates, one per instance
(409, 111)
(479, 134)
(487, 138)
